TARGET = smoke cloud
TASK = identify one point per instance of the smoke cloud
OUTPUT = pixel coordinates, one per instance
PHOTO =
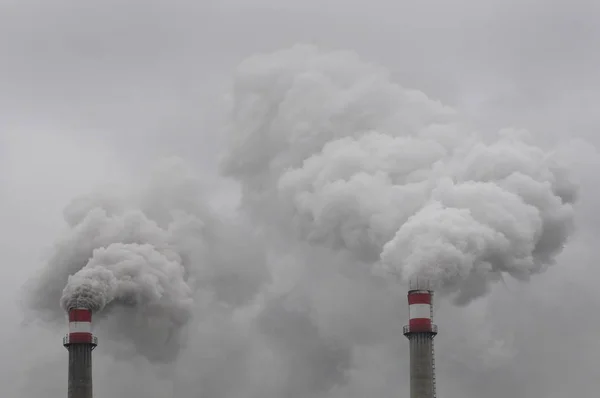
(142, 259)
(326, 147)
(132, 274)
(342, 173)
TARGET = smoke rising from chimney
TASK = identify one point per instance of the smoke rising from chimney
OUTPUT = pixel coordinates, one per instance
(342, 170)
(327, 147)
(141, 259)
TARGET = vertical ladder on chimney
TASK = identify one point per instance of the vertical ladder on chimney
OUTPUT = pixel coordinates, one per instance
(433, 369)
(432, 353)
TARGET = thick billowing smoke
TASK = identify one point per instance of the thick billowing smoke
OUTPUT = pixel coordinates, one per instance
(340, 170)
(131, 274)
(143, 259)
(326, 146)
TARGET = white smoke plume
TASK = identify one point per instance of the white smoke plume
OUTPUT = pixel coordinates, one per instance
(132, 274)
(341, 170)
(328, 147)
(141, 261)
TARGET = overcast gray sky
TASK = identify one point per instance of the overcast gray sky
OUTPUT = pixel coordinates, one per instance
(95, 92)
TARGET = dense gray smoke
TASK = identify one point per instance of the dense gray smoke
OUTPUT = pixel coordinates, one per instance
(141, 259)
(134, 274)
(326, 146)
(342, 173)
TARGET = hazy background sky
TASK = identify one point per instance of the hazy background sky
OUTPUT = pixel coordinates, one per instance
(94, 92)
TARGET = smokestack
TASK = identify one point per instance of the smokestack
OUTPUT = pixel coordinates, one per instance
(420, 331)
(80, 342)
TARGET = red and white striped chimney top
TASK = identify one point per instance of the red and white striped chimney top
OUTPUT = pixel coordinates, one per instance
(80, 326)
(420, 311)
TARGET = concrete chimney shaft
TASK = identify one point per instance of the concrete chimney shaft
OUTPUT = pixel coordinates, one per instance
(420, 332)
(80, 342)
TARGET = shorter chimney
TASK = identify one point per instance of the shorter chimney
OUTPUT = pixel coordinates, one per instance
(80, 342)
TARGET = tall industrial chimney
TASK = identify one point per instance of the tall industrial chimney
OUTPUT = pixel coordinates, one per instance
(80, 342)
(420, 331)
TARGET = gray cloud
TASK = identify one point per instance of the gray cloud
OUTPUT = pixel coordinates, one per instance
(94, 93)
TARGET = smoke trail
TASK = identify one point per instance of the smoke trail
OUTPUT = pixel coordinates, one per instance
(142, 259)
(326, 146)
(132, 274)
